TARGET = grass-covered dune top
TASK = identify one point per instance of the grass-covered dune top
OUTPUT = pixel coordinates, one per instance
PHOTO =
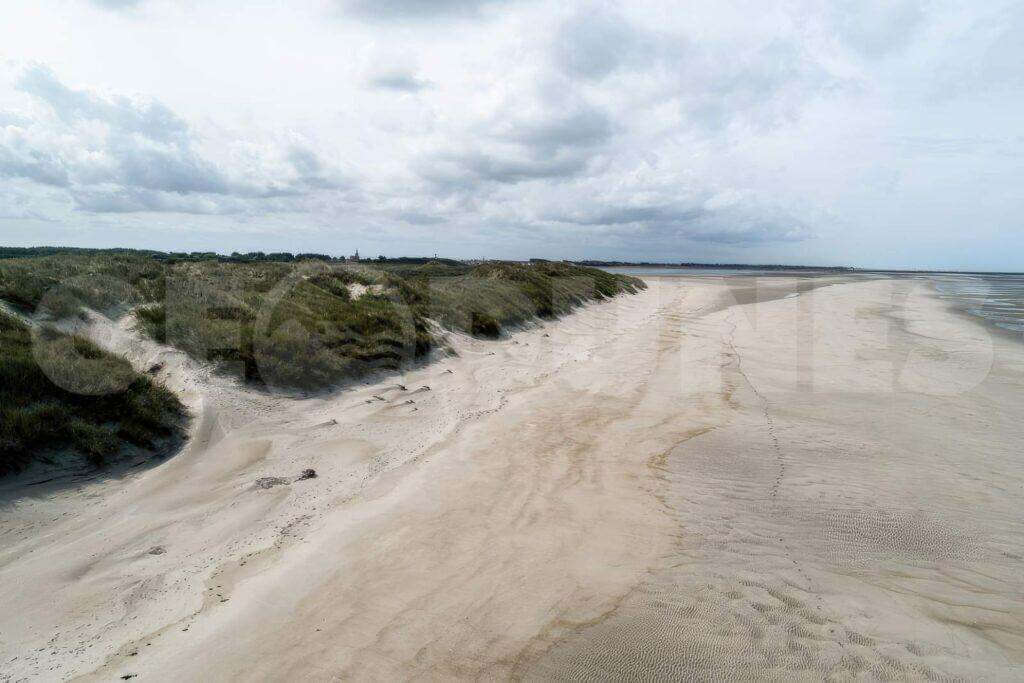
(303, 323)
(63, 399)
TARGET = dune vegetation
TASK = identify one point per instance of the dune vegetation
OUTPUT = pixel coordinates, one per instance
(69, 402)
(304, 323)
(313, 325)
(308, 324)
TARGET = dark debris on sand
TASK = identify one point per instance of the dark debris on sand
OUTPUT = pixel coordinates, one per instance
(270, 482)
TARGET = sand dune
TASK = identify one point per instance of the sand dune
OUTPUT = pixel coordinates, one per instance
(740, 478)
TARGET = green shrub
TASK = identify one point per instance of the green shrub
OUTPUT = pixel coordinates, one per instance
(483, 325)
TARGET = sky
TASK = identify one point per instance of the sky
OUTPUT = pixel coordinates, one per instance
(864, 133)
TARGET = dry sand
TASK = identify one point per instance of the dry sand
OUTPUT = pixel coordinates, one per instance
(771, 478)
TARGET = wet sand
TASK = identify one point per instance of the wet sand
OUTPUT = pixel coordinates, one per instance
(774, 478)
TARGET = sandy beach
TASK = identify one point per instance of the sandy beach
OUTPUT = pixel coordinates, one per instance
(787, 478)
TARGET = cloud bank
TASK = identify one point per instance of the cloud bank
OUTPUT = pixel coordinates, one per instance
(841, 132)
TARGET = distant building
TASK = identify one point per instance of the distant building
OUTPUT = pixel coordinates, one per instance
(355, 256)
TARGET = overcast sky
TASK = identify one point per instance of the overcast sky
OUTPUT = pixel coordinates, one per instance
(884, 134)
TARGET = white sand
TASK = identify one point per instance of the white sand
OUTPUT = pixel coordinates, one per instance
(666, 485)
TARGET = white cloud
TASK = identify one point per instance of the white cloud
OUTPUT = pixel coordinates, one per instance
(150, 119)
(117, 154)
(840, 132)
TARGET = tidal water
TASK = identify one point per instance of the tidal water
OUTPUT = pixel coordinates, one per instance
(997, 298)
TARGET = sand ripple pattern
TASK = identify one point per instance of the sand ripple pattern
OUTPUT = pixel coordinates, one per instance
(820, 538)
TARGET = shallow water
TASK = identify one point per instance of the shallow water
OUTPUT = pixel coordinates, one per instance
(999, 299)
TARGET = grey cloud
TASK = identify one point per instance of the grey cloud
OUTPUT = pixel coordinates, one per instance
(322, 183)
(758, 234)
(549, 147)
(585, 127)
(114, 198)
(742, 225)
(305, 161)
(416, 218)
(747, 223)
(152, 119)
(876, 28)
(592, 45)
(764, 87)
(623, 215)
(403, 81)
(851, 115)
(11, 213)
(404, 10)
(16, 203)
(311, 171)
(714, 83)
(134, 200)
(147, 161)
(33, 164)
(465, 170)
(170, 169)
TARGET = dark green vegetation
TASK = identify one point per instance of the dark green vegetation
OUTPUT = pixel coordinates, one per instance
(493, 296)
(297, 323)
(313, 325)
(78, 399)
(59, 284)
(302, 324)
(287, 326)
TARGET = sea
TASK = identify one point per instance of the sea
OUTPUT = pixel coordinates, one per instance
(997, 298)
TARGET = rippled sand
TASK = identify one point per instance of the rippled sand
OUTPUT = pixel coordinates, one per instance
(731, 478)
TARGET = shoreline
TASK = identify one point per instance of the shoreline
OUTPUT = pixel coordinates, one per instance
(962, 310)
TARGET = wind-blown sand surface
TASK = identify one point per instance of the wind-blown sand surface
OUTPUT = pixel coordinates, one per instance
(731, 478)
